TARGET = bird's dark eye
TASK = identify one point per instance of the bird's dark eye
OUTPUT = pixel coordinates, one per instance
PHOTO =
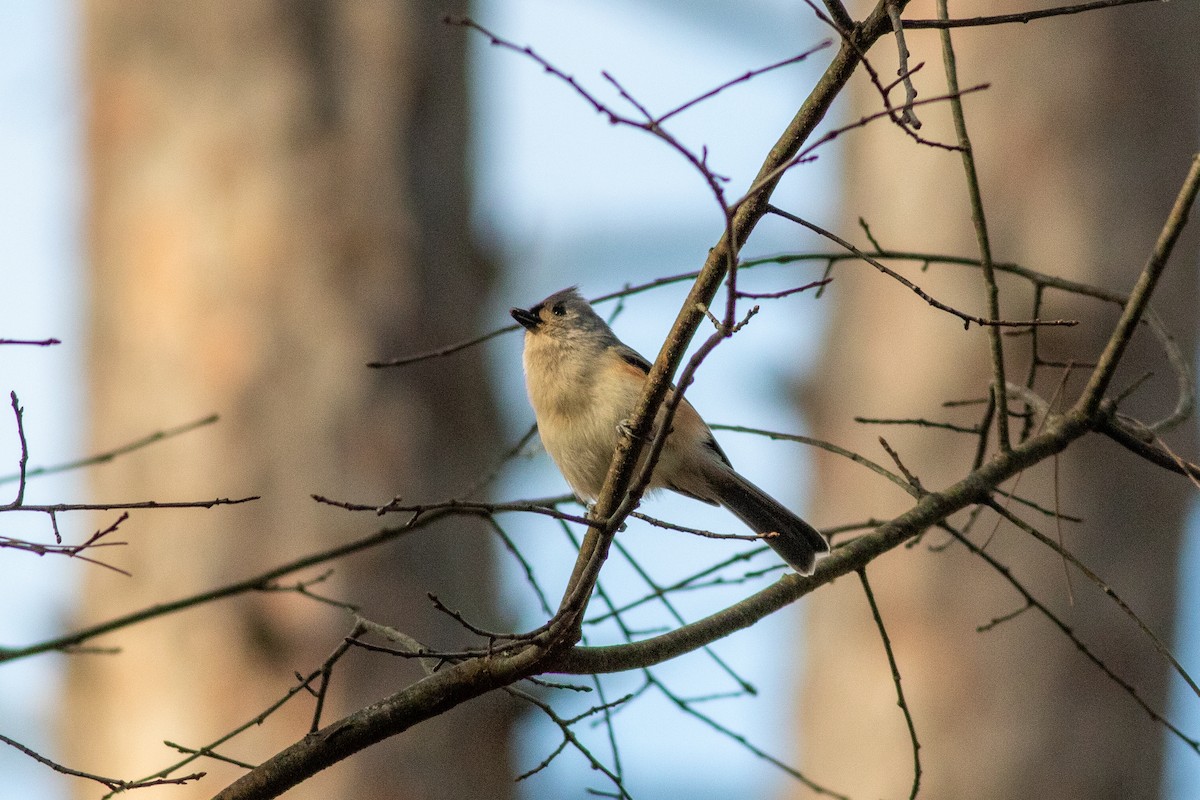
(558, 309)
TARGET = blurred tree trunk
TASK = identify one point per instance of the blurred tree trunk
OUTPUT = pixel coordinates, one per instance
(1081, 142)
(279, 195)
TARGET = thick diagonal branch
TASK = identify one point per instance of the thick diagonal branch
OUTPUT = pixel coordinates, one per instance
(1139, 298)
(741, 223)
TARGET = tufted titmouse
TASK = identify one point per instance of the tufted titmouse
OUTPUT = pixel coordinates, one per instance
(584, 383)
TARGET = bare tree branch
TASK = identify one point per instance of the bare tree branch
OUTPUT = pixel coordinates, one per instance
(1019, 17)
(900, 701)
(1089, 401)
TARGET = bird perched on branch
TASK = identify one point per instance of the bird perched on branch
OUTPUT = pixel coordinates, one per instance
(584, 384)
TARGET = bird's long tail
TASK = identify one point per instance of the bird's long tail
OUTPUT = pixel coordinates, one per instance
(797, 542)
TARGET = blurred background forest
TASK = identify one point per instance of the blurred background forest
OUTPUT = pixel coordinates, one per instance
(231, 208)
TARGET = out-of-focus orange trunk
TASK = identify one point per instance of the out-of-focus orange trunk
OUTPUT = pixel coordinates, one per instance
(278, 195)
(1081, 143)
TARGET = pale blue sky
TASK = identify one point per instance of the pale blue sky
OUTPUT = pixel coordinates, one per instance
(39, 297)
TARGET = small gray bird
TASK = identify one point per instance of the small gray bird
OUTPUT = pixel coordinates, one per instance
(583, 385)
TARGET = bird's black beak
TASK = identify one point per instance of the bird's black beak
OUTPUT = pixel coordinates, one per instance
(528, 319)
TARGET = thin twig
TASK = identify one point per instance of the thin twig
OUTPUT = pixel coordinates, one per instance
(754, 73)
(912, 479)
(1139, 298)
(215, 756)
(707, 534)
(786, 292)
(207, 750)
(109, 455)
(488, 477)
(920, 423)
(464, 507)
(1019, 17)
(808, 153)
(965, 317)
(723, 665)
(900, 701)
(143, 505)
(113, 784)
(823, 445)
(1067, 556)
(568, 737)
(252, 584)
(744, 742)
(910, 91)
(991, 290)
(19, 413)
(1066, 631)
(526, 567)
(442, 351)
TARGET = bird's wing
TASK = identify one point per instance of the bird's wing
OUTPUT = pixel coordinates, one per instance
(639, 362)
